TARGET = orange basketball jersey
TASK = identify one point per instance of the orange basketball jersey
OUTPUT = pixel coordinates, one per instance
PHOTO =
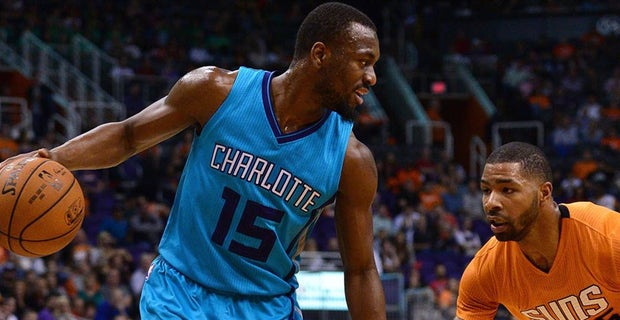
(583, 283)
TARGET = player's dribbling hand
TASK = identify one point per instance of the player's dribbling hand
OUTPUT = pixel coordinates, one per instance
(42, 153)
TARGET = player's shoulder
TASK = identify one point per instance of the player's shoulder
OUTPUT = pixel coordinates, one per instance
(488, 255)
(489, 250)
(485, 264)
(209, 76)
(359, 154)
(201, 91)
(357, 148)
(359, 171)
(592, 216)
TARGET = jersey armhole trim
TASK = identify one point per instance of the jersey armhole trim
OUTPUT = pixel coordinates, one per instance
(564, 213)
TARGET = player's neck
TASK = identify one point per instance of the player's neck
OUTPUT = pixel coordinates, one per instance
(540, 246)
(293, 104)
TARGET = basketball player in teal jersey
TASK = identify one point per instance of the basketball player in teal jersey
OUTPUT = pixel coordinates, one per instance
(270, 152)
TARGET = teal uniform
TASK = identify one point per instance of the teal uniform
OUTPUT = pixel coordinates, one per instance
(248, 198)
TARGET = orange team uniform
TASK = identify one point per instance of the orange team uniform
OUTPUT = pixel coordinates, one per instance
(583, 282)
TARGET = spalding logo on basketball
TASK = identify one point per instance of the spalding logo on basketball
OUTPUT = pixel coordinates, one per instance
(41, 206)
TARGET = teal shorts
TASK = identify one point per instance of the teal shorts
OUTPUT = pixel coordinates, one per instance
(168, 294)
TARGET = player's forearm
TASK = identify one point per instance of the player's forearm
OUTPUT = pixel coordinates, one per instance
(103, 147)
(365, 296)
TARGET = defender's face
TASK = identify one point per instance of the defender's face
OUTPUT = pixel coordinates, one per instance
(510, 200)
(350, 73)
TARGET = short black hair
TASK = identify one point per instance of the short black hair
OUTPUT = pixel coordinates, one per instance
(327, 23)
(533, 161)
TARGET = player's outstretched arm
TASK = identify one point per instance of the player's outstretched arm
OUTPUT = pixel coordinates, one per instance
(358, 185)
(191, 101)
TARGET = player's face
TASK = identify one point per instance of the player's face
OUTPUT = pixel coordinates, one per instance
(510, 201)
(350, 72)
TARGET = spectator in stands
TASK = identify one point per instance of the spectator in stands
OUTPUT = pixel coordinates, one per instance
(41, 104)
(602, 197)
(325, 230)
(565, 137)
(405, 221)
(590, 110)
(82, 251)
(591, 134)
(467, 239)
(611, 112)
(423, 235)
(117, 306)
(198, 53)
(116, 225)
(425, 164)
(113, 280)
(611, 141)
(452, 198)
(517, 72)
(445, 223)
(8, 308)
(564, 50)
(446, 300)
(20, 297)
(568, 186)
(540, 105)
(433, 111)
(47, 311)
(389, 257)
(585, 165)
(146, 226)
(407, 175)
(134, 98)
(382, 220)
(472, 205)
(121, 260)
(612, 85)
(430, 195)
(153, 164)
(440, 279)
(138, 276)
(8, 145)
(62, 309)
(368, 128)
(573, 84)
(404, 251)
(450, 170)
(91, 294)
(122, 71)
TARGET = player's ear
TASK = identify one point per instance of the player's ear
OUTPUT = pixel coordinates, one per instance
(546, 191)
(318, 54)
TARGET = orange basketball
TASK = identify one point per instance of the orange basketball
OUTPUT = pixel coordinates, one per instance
(41, 206)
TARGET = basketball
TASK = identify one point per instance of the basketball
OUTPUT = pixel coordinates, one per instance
(41, 206)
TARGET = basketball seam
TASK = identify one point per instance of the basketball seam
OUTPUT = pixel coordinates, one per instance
(10, 226)
(21, 240)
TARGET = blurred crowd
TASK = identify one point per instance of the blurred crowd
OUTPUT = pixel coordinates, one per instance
(427, 214)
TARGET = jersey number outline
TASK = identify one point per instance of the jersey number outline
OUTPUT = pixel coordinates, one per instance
(252, 211)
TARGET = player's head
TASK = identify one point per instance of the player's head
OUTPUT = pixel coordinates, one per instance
(534, 163)
(328, 23)
(341, 44)
(515, 184)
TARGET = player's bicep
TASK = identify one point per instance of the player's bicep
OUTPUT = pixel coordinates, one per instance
(191, 101)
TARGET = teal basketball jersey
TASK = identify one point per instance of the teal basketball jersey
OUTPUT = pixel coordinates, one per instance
(250, 194)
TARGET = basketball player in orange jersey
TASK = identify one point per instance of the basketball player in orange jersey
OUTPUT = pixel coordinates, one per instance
(547, 260)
